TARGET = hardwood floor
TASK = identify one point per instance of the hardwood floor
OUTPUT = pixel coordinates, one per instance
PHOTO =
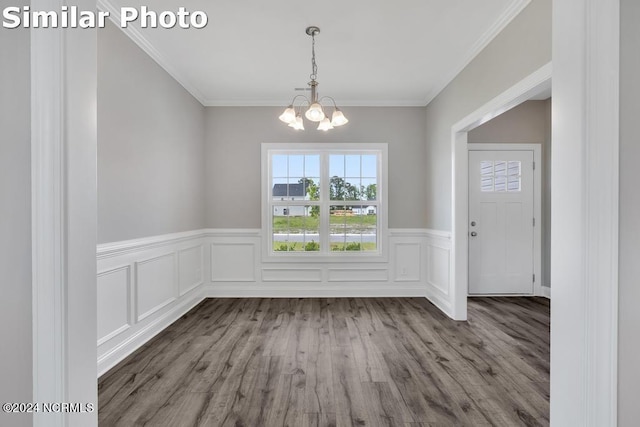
(338, 362)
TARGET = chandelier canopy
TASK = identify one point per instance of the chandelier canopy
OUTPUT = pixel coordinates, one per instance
(315, 111)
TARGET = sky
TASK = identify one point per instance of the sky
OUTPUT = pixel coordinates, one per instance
(351, 167)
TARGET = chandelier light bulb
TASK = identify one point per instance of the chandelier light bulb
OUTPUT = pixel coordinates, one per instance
(289, 115)
(338, 118)
(298, 124)
(325, 125)
(315, 113)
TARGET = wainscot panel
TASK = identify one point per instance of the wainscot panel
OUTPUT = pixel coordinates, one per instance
(439, 270)
(144, 285)
(190, 268)
(237, 269)
(114, 299)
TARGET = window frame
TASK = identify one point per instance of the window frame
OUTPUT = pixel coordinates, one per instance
(324, 150)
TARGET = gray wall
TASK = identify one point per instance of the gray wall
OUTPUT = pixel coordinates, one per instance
(523, 124)
(529, 122)
(520, 49)
(234, 135)
(15, 220)
(629, 291)
(150, 142)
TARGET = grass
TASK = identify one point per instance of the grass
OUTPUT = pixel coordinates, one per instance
(313, 224)
(281, 246)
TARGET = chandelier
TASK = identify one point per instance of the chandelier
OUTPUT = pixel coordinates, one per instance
(315, 111)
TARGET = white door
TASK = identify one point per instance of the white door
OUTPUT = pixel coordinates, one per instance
(501, 222)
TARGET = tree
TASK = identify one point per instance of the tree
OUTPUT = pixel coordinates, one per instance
(371, 192)
(337, 188)
(351, 192)
(313, 191)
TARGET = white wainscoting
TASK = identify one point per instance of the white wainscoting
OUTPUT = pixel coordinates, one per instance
(237, 269)
(146, 284)
(439, 286)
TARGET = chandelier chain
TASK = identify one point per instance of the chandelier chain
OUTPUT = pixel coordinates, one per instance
(314, 66)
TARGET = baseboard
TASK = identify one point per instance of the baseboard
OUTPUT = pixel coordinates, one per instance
(440, 301)
(545, 291)
(301, 290)
(125, 348)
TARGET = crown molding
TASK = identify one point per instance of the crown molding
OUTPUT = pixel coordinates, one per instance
(279, 103)
(507, 16)
(515, 7)
(134, 34)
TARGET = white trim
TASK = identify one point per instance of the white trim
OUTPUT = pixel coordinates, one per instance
(130, 299)
(308, 290)
(324, 150)
(423, 232)
(202, 263)
(460, 178)
(584, 242)
(537, 200)
(141, 316)
(545, 291)
(233, 232)
(106, 250)
(48, 217)
(63, 147)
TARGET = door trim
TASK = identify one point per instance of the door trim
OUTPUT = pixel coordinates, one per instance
(63, 218)
(537, 203)
(517, 94)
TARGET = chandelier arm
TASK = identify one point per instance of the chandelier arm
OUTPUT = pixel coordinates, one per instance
(332, 100)
(300, 96)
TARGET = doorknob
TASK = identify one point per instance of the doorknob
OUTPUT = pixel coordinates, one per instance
(474, 234)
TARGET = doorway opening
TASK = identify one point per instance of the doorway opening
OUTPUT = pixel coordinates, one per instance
(534, 84)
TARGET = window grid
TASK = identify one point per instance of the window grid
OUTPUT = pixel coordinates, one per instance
(360, 228)
(500, 176)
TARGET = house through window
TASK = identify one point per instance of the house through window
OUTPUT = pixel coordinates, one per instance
(323, 199)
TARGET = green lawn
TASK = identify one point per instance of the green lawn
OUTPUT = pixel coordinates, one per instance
(300, 247)
(295, 223)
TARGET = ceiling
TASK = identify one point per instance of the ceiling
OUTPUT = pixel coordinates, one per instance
(369, 52)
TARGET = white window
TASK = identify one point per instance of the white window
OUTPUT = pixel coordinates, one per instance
(324, 200)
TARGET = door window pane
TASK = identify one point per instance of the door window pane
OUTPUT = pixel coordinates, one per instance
(500, 176)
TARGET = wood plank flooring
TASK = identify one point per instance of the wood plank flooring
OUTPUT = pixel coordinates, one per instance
(338, 362)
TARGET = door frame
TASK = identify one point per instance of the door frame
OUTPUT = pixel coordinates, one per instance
(537, 203)
(516, 95)
(64, 218)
